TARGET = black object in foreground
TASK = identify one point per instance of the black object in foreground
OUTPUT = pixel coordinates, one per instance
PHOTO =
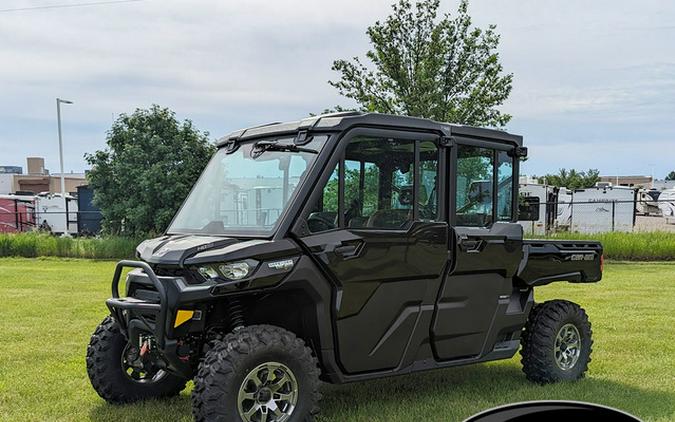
(342, 247)
(552, 410)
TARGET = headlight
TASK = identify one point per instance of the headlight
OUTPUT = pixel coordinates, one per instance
(233, 271)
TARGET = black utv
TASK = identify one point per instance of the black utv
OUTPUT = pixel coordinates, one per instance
(340, 248)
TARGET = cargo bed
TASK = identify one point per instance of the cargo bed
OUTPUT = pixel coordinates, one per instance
(546, 261)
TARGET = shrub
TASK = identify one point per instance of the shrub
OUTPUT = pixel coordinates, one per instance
(640, 246)
(33, 244)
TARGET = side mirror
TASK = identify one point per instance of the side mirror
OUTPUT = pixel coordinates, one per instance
(528, 208)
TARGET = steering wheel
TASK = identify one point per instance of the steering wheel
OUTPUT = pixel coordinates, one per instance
(317, 223)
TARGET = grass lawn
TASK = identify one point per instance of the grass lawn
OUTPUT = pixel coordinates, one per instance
(49, 307)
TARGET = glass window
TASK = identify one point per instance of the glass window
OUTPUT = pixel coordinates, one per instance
(246, 191)
(325, 215)
(383, 196)
(379, 183)
(353, 193)
(428, 176)
(474, 186)
(504, 186)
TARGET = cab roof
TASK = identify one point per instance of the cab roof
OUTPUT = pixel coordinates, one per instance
(345, 120)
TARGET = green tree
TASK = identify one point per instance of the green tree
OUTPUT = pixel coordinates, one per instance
(421, 65)
(572, 179)
(671, 176)
(146, 171)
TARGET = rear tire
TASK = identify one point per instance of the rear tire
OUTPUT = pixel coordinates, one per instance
(254, 370)
(556, 343)
(108, 377)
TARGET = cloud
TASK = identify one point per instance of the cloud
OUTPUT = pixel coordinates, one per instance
(601, 72)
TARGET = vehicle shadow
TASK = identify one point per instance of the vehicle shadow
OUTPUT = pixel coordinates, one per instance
(454, 394)
(448, 395)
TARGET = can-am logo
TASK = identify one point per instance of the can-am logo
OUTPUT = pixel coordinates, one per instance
(552, 410)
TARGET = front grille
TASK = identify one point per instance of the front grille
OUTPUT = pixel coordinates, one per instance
(190, 277)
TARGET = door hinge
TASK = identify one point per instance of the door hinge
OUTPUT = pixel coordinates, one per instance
(447, 141)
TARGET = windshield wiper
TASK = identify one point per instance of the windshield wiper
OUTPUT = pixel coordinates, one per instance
(263, 146)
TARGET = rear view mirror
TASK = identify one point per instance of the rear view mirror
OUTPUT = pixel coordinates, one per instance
(528, 208)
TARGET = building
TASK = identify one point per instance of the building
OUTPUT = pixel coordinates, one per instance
(663, 184)
(630, 181)
(11, 170)
(37, 179)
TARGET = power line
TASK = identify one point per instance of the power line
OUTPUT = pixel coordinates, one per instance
(60, 6)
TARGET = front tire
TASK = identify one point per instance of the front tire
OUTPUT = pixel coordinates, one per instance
(117, 384)
(259, 372)
(556, 343)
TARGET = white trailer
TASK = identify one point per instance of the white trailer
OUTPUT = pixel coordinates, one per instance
(647, 203)
(667, 205)
(50, 211)
(542, 194)
(603, 209)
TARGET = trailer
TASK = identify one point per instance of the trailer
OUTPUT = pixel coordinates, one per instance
(51, 211)
(539, 197)
(17, 213)
(667, 205)
(603, 209)
(648, 202)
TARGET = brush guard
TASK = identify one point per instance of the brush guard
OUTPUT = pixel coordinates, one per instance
(118, 305)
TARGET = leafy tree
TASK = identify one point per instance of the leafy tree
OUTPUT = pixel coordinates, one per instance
(147, 170)
(572, 179)
(421, 65)
(671, 176)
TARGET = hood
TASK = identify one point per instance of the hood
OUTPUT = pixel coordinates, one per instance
(173, 250)
(193, 249)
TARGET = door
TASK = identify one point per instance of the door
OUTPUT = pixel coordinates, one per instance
(487, 248)
(376, 230)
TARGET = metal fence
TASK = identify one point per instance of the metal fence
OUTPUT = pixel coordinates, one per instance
(598, 215)
(592, 216)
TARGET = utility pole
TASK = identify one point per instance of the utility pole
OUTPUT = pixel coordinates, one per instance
(63, 176)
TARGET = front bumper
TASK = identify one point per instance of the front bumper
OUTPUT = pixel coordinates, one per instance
(155, 315)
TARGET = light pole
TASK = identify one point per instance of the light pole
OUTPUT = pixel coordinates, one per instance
(63, 177)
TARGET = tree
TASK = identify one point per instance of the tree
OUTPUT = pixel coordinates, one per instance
(443, 69)
(146, 171)
(671, 176)
(572, 179)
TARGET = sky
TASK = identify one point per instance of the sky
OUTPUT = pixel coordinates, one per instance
(594, 82)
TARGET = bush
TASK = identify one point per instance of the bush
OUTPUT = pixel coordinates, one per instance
(31, 245)
(641, 246)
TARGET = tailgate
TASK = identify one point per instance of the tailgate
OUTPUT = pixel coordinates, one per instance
(545, 261)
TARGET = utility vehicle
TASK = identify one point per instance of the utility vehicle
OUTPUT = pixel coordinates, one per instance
(340, 248)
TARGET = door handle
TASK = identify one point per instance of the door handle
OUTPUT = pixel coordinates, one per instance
(349, 250)
(471, 246)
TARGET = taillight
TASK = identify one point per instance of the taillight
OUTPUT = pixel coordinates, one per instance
(602, 263)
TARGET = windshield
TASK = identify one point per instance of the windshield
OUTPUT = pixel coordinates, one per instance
(245, 192)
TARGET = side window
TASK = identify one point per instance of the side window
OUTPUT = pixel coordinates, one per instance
(504, 186)
(428, 177)
(386, 178)
(379, 185)
(324, 216)
(474, 186)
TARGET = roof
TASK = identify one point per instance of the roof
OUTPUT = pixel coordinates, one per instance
(345, 120)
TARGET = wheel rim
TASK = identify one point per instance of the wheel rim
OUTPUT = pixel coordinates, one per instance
(269, 393)
(567, 347)
(139, 373)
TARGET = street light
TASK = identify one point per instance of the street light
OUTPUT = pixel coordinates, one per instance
(63, 178)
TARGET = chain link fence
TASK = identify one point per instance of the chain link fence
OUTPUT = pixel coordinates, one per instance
(596, 215)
